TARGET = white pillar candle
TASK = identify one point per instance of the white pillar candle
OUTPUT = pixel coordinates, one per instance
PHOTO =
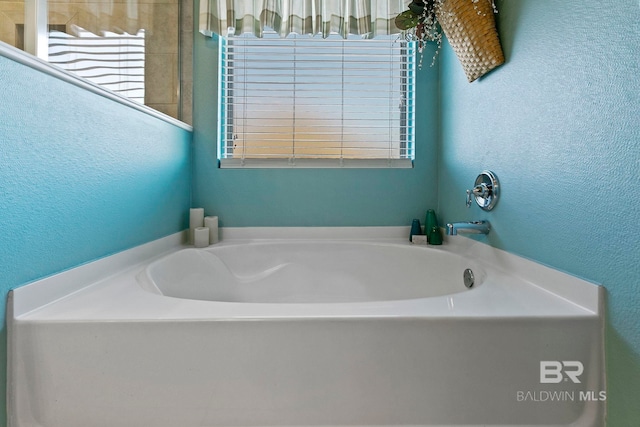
(196, 219)
(201, 237)
(212, 223)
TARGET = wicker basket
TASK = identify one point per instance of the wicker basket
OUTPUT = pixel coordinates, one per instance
(471, 30)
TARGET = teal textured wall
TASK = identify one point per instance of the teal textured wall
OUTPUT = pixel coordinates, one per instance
(559, 124)
(81, 177)
(309, 197)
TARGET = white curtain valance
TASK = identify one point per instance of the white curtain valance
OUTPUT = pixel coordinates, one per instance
(363, 17)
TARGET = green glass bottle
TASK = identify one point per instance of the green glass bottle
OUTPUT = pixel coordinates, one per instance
(431, 228)
(430, 221)
(435, 236)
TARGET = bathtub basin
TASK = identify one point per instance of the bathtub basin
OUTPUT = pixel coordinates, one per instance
(309, 332)
(308, 272)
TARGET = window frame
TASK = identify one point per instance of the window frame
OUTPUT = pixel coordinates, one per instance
(306, 162)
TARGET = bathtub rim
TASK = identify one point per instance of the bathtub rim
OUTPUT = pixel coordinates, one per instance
(585, 295)
(49, 289)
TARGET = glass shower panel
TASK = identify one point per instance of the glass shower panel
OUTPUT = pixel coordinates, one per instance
(128, 46)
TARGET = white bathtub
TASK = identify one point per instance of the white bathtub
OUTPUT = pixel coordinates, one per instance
(306, 332)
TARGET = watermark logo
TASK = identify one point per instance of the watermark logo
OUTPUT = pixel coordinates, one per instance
(554, 371)
(561, 396)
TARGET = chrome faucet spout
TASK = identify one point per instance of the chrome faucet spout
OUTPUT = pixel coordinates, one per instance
(473, 227)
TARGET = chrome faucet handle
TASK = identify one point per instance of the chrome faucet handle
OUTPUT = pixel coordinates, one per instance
(480, 190)
(485, 192)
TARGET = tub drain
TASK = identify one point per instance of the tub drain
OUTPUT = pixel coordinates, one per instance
(468, 278)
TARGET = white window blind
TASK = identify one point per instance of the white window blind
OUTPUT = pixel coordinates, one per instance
(312, 102)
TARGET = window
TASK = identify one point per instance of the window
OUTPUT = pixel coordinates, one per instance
(129, 47)
(311, 102)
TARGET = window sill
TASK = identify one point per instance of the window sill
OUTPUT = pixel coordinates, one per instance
(315, 163)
